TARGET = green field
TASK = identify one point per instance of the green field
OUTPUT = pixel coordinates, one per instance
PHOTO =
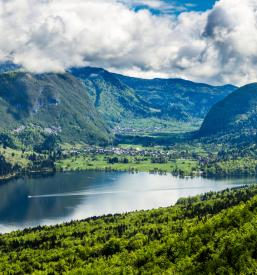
(180, 159)
(16, 156)
(140, 164)
(150, 126)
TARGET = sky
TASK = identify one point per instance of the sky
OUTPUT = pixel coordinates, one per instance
(172, 6)
(201, 40)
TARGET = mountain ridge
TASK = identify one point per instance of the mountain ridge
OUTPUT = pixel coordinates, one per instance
(126, 103)
(236, 112)
(177, 99)
(49, 103)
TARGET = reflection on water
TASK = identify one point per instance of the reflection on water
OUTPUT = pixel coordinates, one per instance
(70, 196)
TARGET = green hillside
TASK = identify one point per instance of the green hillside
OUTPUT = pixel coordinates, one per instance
(36, 105)
(133, 102)
(112, 98)
(177, 98)
(32, 106)
(128, 104)
(237, 113)
(213, 233)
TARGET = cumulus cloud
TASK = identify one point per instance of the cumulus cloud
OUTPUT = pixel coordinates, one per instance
(217, 46)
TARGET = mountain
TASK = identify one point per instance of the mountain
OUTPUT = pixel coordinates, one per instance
(177, 98)
(112, 98)
(120, 97)
(235, 113)
(49, 104)
(126, 103)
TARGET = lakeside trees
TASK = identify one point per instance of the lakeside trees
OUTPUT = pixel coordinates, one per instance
(7, 168)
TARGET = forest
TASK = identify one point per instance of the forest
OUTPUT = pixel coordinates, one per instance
(6, 168)
(213, 233)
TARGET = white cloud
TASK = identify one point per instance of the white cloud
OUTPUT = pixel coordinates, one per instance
(161, 6)
(217, 46)
(156, 4)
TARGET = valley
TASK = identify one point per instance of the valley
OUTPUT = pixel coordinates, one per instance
(134, 104)
(128, 137)
(42, 116)
(90, 142)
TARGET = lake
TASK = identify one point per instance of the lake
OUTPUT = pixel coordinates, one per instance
(27, 202)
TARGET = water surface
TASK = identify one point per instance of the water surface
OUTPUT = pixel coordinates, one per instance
(28, 202)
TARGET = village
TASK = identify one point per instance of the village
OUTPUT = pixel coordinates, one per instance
(167, 153)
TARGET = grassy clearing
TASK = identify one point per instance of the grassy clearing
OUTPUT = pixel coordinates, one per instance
(16, 156)
(155, 125)
(100, 162)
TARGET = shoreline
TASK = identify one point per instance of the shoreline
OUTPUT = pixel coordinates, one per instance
(196, 174)
(70, 222)
(18, 175)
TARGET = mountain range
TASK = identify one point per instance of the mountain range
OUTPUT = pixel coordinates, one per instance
(236, 113)
(83, 104)
(119, 97)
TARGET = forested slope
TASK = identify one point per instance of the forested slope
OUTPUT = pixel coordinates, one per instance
(32, 106)
(210, 234)
(120, 98)
(236, 113)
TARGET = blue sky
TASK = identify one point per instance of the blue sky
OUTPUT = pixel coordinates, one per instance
(198, 5)
(171, 6)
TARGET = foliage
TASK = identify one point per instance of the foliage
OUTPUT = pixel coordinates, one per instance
(50, 144)
(235, 167)
(214, 233)
(7, 140)
(235, 114)
(128, 163)
(7, 168)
